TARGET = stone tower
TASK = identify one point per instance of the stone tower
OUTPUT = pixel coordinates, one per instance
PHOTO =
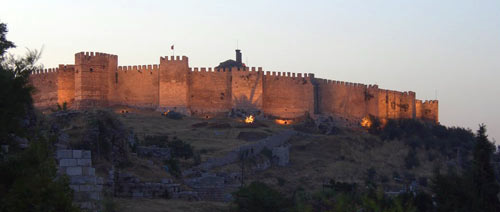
(93, 72)
(174, 84)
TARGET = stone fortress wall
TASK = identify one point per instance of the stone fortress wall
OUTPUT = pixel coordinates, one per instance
(96, 80)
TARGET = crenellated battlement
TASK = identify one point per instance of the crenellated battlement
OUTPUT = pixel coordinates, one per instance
(139, 68)
(288, 75)
(90, 55)
(430, 102)
(173, 58)
(96, 80)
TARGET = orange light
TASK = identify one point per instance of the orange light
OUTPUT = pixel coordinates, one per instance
(283, 121)
(249, 119)
(366, 122)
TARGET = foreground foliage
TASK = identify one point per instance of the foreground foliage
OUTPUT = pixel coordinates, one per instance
(28, 180)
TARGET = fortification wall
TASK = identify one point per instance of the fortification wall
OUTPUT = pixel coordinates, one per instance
(173, 83)
(45, 83)
(287, 95)
(92, 72)
(246, 88)
(66, 85)
(396, 105)
(418, 109)
(96, 81)
(430, 110)
(345, 99)
(137, 86)
(209, 90)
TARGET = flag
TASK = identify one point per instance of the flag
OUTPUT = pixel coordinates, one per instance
(172, 47)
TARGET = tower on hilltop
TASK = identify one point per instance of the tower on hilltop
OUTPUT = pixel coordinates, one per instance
(92, 74)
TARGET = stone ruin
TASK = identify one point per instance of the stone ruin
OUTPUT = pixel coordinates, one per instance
(87, 187)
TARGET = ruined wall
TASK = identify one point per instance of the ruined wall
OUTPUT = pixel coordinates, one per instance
(136, 86)
(246, 88)
(209, 91)
(286, 95)
(92, 73)
(348, 100)
(45, 83)
(173, 83)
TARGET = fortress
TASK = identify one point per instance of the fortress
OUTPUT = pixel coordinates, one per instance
(96, 80)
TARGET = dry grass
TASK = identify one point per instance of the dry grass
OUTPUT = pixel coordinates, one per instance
(345, 158)
(214, 142)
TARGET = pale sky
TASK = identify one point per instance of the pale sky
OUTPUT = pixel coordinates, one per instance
(448, 47)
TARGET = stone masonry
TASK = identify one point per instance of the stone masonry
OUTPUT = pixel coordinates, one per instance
(96, 80)
(87, 187)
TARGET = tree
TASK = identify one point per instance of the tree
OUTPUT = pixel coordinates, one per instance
(28, 179)
(15, 90)
(476, 189)
(483, 176)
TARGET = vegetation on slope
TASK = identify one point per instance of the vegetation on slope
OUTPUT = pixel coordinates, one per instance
(28, 180)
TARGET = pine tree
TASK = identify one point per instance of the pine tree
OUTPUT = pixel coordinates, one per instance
(483, 176)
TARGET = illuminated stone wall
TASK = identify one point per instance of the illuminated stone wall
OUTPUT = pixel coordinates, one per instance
(96, 80)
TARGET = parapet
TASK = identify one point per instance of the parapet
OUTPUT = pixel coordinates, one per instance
(327, 82)
(173, 58)
(46, 71)
(90, 55)
(430, 102)
(139, 68)
(287, 75)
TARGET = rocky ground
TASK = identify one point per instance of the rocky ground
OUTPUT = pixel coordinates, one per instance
(304, 155)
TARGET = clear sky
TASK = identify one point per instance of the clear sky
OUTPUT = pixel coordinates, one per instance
(448, 48)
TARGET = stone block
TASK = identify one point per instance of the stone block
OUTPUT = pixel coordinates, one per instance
(74, 170)
(98, 188)
(95, 195)
(61, 154)
(100, 180)
(86, 154)
(77, 153)
(75, 188)
(88, 171)
(86, 205)
(84, 162)
(166, 181)
(80, 180)
(86, 188)
(137, 194)
(67, 162)
(81, 196)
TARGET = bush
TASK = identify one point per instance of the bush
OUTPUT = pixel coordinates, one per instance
(259, 197)
(158, 140)
(411, 159)
(28, 182)
(180, 149)
(173, 167)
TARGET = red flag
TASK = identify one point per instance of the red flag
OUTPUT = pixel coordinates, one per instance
(172, 47)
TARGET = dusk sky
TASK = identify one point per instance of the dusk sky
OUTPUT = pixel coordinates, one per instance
(446, 48)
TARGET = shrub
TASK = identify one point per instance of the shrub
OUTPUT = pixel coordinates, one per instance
(180, 149)
(281, 181)
(28, 181)
(259, 197)
(173, 167)
(411, 159)
(157, 140)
